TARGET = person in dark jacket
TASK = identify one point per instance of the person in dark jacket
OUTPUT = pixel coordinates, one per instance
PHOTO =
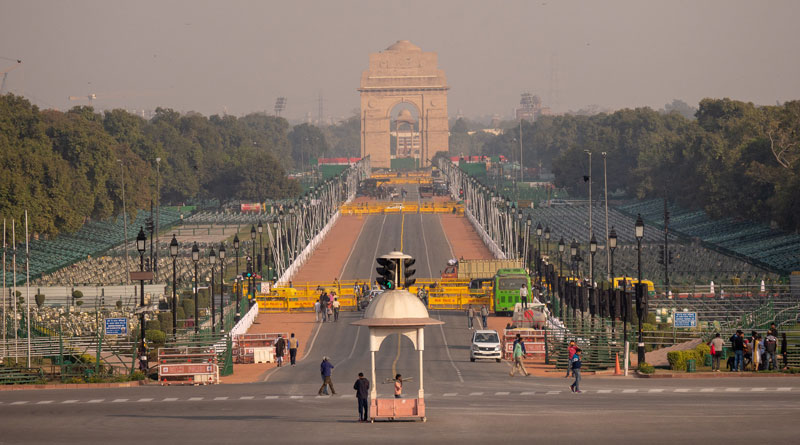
(325, 368)
(784, 351)
(737, 344)
(280, 349)
(575, 364)
(362, 395)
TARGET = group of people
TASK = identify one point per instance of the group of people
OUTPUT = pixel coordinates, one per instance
(756, 352)
(471, 313)
(361, 387)
(280, 349)
(326, 308)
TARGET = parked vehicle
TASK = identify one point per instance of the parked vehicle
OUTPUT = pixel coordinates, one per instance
(472, 269)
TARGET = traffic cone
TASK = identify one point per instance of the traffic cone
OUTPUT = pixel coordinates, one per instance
(617, 371)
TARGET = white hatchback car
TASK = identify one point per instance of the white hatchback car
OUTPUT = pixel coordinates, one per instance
(486, 344)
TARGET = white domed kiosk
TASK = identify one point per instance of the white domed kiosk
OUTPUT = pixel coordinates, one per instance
(396, 312)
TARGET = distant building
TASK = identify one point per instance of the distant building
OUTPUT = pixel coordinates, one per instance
(531, 108)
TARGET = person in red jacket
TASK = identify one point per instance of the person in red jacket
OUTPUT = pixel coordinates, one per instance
(571, 350)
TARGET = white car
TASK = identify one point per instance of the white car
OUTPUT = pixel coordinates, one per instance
(486, 344)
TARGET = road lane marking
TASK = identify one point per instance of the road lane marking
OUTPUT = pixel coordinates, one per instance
(246, 398)
(170, 399)
(270, 397)
(682, 390)
(119, 400)
(553, 392)
(95, 401)
(450, 394)
(352, 249)
(347, 396)
(21, 402)
(527, 393)
(656, 390)
(195, 399)
(476, 393)
(758, 389)
(783, 389)
(502, 393)
(220, 398)
(732, 389)
(603, 391)
(297, 397)
(44, 402)
(629, 391)
(145, 400)
(447, 350)
(707, 390)
(69, 401)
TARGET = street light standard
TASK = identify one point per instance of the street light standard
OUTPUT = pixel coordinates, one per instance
(539, 252)
(173, 252)
(141, 245)
(195, 259)
(522, 237)
(561, 248)
(222, 255)
(212, 258)
(253, 278)
(238, 273)
(273, 270)
(573, 252)
(612, 245)
(639, 292)
(592, 251)
(260, 230)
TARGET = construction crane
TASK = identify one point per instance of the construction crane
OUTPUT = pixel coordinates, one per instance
(8, 70)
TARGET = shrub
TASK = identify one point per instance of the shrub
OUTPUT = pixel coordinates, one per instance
(188, 307)
(137, 375)
(165, 319)
(156, 337)
(75, 380)
(39, 300)
(119, 304)
(152, 325)
(646, 368)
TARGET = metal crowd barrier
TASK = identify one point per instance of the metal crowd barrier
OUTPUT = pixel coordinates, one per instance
(188, 366)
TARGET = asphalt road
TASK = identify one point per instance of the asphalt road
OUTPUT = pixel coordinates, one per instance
(466, 402)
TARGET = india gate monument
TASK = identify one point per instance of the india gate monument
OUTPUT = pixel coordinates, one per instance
(400, 76)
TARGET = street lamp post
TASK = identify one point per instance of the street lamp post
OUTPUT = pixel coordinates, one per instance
(612, 245)
(253, 278)
(141, 245)
(212, 259)
(539, 252)
(195, 259)
(173, 252)
(260, 229)
(573, 253)
(640, 294)
(238, 274)
(561, 248)
(592, 251)
(222, 255)
(273, 264)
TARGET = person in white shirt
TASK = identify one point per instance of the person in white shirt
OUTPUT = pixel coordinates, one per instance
(523, 296)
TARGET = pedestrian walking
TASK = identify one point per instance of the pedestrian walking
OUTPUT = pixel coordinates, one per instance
(470, 316)
(784, 351)
(398, 386)
(294, 343)
(571, 351)
(575, 364)
(484, 316)
(326, 368)
(523, 296)
(770, 349)
(316, 311)
(280, 349)
(518, 355)
(362, 395)
(716, 352)
(336, 309)
(737, 344)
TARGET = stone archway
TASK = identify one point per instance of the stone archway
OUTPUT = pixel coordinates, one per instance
(403, 73)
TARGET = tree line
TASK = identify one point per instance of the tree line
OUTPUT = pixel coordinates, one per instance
(733, 158)
(67, 167)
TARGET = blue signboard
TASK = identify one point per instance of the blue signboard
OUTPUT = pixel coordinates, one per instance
(116, 326)
(685, 319)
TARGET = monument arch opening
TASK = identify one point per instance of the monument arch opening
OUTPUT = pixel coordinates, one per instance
(403, 106)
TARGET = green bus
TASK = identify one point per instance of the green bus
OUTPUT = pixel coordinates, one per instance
(506, 289)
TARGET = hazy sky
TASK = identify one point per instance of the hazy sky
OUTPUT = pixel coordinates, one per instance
(239, 56)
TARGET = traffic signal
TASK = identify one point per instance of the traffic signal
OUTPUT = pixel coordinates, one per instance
(249, 271)
(670, 257)
(409, 273)
(387, 272)
(661, 254)
(149, 224)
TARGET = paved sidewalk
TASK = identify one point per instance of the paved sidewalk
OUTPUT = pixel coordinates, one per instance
(463, 239)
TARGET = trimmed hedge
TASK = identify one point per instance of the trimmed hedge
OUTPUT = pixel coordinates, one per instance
(646, 368)
(677, 359)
